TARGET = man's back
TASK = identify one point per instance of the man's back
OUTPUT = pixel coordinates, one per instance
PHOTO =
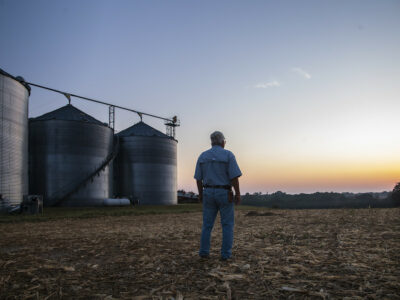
(217, 166)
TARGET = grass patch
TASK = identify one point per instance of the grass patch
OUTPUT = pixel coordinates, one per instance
(55, 213)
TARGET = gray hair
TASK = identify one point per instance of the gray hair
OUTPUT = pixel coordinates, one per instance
(217, 138)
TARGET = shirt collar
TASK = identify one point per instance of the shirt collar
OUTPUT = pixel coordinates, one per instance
(216, 147)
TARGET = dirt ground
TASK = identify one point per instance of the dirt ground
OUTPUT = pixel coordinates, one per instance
(283, 254)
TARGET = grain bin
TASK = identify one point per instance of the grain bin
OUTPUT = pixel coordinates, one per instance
(70, 154)
(14, 94)
(146, 166)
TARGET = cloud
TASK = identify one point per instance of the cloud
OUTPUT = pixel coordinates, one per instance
(301, 72)
(266, 85)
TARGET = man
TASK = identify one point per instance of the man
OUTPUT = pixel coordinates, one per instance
(216, 173)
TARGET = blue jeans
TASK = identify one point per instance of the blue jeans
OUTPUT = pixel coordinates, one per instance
(215, 200)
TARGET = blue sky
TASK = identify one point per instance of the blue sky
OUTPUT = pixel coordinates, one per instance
(306, 92)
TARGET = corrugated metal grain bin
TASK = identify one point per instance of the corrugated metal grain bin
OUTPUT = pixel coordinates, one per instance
(66, 147)
(14, 97)
(146, 166)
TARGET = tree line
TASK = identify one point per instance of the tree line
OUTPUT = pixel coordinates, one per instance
(324, 200)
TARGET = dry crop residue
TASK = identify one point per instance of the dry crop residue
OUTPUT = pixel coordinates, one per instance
(285, 254)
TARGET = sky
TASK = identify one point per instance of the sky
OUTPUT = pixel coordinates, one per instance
(306, 93)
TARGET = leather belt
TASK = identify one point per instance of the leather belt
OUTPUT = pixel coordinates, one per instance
(225, 187)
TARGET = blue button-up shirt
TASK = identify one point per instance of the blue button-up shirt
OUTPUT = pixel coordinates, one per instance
(217, 166)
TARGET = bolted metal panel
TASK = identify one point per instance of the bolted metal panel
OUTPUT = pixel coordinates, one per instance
(62, 153)
(146, 168)
(13, 141)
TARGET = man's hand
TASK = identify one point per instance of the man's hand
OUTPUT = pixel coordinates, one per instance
(235, 184)
(200, 189)
(237, 199)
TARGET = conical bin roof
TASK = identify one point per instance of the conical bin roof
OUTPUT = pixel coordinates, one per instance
(68, 113)
(142, 129)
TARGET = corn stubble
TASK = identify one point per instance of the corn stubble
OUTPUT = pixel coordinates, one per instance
(299, 254)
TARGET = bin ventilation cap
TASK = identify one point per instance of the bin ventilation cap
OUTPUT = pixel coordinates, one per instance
(68, 113)
(142, 129)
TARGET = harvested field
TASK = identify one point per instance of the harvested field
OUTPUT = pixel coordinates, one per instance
(278, 254)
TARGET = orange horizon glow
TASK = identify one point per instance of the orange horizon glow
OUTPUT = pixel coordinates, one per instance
(311, 177)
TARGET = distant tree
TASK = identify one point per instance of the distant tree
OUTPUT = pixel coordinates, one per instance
(278, 196)
(278, 193)
(396, 193)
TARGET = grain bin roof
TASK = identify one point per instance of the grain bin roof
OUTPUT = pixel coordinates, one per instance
(68, 113)
(20, 79)
(142, 129)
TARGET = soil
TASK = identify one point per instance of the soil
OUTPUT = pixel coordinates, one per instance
(298, 254)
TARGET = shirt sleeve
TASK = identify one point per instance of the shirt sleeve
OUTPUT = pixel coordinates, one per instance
(198, 173)
(233, 168)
